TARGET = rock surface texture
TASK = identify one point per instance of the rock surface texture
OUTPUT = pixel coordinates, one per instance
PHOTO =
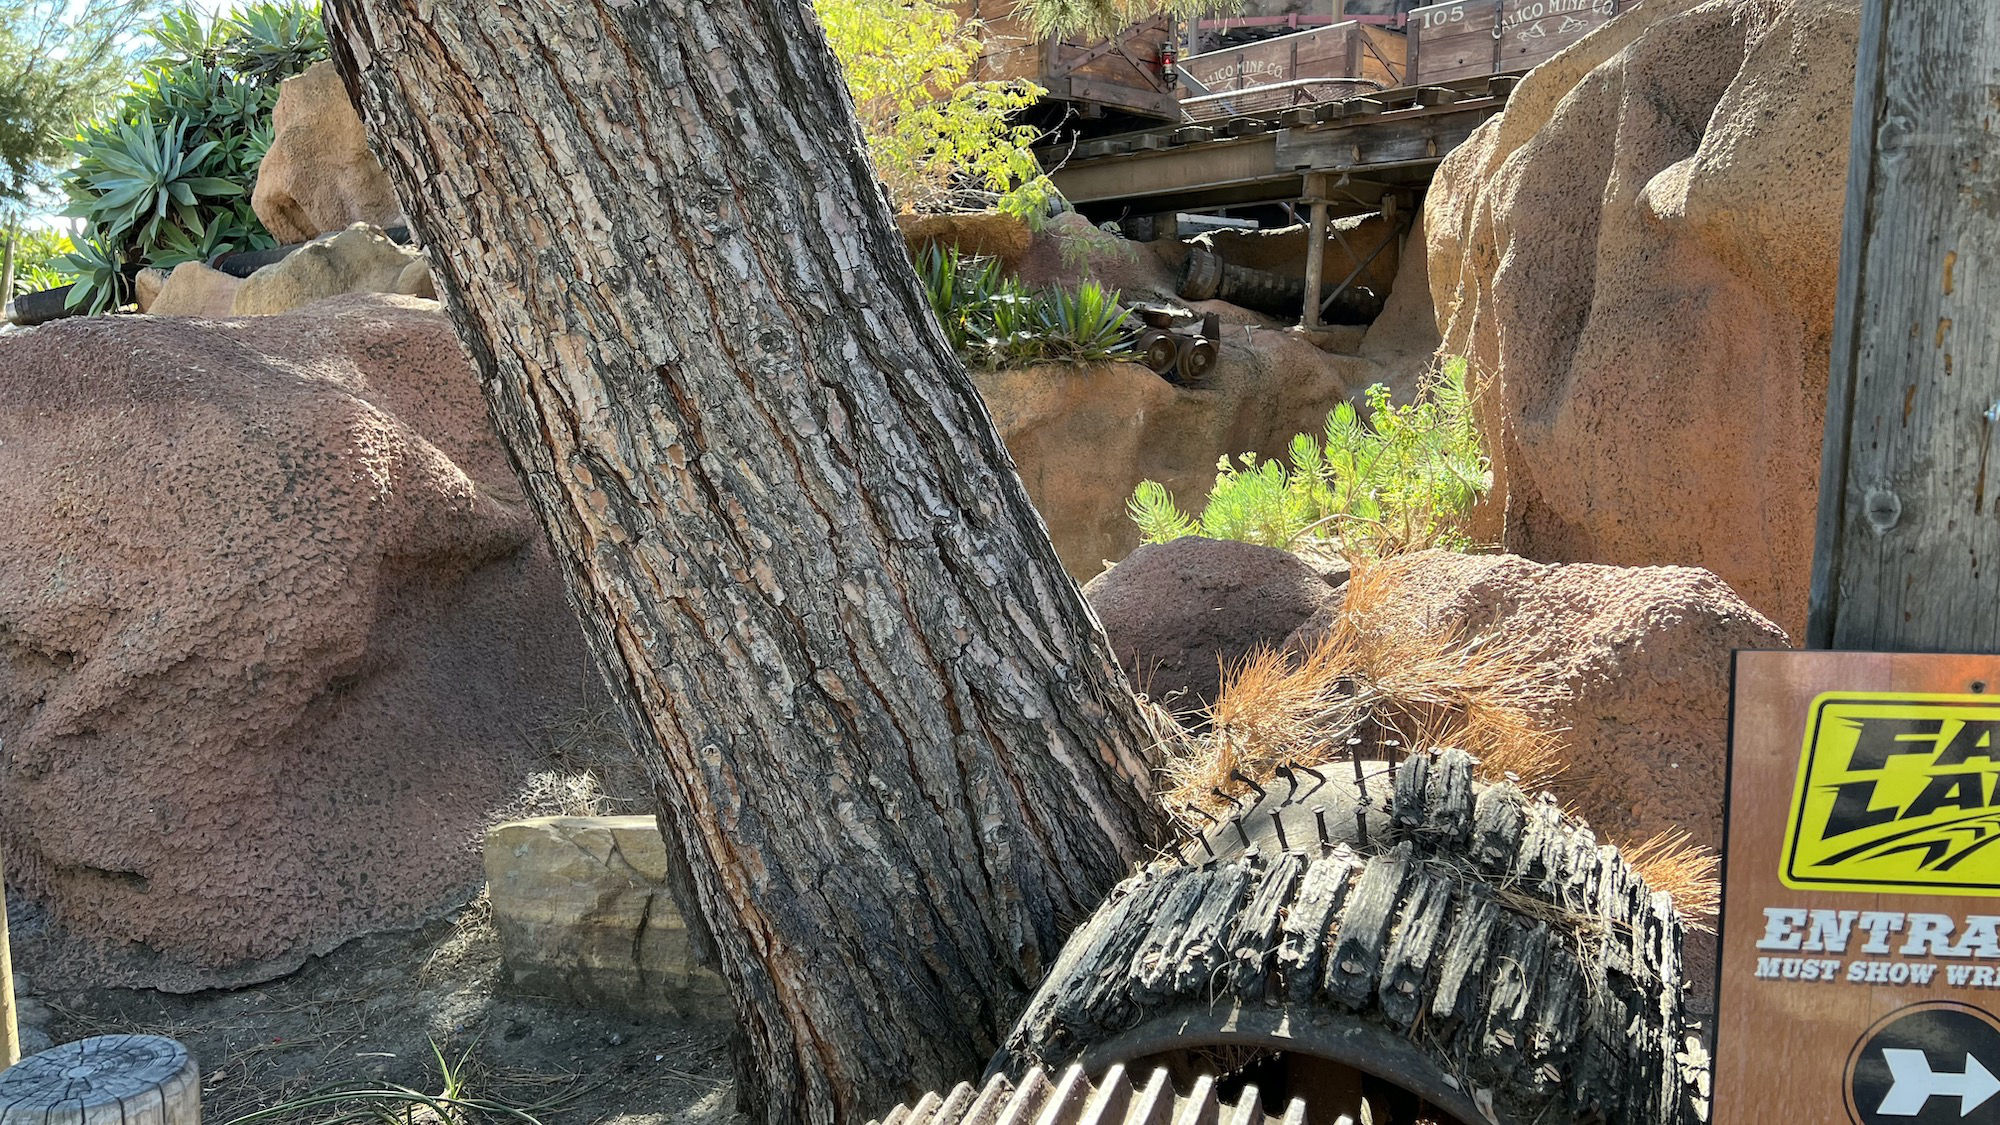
(1639, 258)
(1179, 613)
(1644, 656)
(319, 175)
(277, 633)
(195, 290)
(360, 259)
(584, 912)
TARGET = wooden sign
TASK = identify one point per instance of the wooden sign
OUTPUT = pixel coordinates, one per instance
(1860, 938)
(1469, 38)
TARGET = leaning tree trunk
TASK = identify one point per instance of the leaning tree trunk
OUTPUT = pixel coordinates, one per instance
(884, 730)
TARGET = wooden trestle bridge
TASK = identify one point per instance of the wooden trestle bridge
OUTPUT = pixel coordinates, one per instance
(1349, 118)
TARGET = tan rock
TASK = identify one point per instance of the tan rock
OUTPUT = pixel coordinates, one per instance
(196, 290)
(360, 259)
(1084, 437)
(319, 175)
(1639, 258)
(583, 912)
(146, 288)
(987, 234)
(277, 633)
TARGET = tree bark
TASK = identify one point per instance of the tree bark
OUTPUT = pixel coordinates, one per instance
(884, 730)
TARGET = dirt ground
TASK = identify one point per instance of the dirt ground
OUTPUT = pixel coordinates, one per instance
(369, 1012)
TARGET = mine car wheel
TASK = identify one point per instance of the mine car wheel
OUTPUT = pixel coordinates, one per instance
(1397, 937)
(1158, 350)
(1197, 358)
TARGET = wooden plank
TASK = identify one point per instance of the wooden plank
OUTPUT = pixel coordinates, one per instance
(1468, 38)
(10, 1030)
(1910, 476)
(1324, 52)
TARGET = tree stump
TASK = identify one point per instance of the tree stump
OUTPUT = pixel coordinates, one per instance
(135, 1079)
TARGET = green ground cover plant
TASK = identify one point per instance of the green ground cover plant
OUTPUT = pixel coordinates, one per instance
(1403, 480)
(166, 176)
(994, 321)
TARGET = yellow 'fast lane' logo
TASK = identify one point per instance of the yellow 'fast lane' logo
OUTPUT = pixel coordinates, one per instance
(1896, 794)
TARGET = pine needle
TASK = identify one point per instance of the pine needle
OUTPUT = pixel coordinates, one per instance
(1374, 691)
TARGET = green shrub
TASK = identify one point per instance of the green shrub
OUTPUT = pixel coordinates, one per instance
(167, 177)
(992, 320)
(1403, 481)
(36, 253)
(938, 138)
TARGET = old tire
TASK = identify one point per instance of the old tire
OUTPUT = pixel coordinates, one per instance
(1467, 945)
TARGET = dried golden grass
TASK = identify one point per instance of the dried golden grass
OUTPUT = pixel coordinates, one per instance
(1686, 871)
(1378, 684)
(1372, 687)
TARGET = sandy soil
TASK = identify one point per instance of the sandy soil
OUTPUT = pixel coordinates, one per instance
(369, 1012)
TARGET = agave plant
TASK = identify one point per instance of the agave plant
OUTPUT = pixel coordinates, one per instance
(271, 42)
(100, 276)
(138, 176)
(1087, 325)
(186, 36)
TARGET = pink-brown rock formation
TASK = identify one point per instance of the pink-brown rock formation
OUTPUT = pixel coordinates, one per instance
(319, 175)
(277, 632)
(1181, 614)
(1639, 259)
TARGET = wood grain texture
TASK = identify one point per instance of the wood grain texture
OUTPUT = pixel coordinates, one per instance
(1550, 975)
(884, 731)
(123, 1079)
(10, 1026)
(1909, 514)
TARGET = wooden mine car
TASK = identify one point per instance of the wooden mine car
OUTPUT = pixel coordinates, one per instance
(1292, 52)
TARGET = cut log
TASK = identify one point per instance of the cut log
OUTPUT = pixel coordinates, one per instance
(133, 1079)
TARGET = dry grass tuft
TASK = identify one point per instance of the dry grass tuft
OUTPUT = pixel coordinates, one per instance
(1686, 871)
(1374, 690)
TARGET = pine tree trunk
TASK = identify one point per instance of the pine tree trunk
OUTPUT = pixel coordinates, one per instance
(884, 730)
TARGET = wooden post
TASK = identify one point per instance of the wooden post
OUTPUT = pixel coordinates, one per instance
(10, 1028)
(1315, 194)
(1908, 550)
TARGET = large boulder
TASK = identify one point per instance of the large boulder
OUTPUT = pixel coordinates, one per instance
(1639, 257)
(1641, 657)
(360, 259)
(584, 912)
(1084, 437)
(194, 289)
(318, 175)
(277, 633)
(1180, 614)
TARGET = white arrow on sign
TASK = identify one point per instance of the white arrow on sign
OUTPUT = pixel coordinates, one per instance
(1913, 1083)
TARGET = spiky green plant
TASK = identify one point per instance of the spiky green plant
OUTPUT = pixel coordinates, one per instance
(992, 320)
(1403, 480)
(167, 176)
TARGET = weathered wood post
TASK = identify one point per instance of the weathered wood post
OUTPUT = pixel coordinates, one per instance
(1908, 549)
(1315, 194)
(10, 1028)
